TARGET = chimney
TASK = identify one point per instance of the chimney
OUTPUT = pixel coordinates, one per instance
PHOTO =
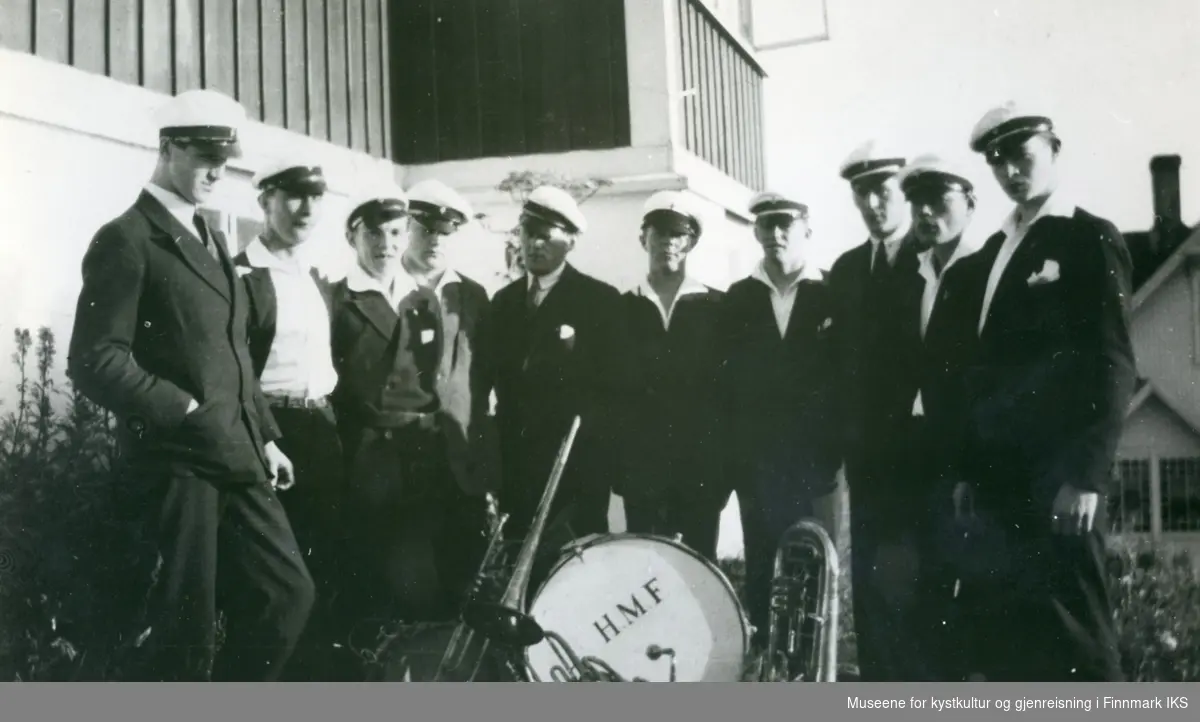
(1164, 178)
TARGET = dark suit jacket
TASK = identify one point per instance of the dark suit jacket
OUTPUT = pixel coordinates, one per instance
(542, 380)
(878, 338)
(678, 431)
(261, 291)
(159, 323)
(364, 339)
(1055, 367)
(948, 348)
(783, 411)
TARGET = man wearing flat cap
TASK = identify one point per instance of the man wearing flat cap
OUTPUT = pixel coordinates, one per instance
(877, 324)
(942, 199)
(561, 350)
(780, 403)
(1046, 396)
(409, 404)
(675, 482)
(160, 340)
(290, 348)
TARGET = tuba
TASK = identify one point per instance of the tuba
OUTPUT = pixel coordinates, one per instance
(802, 626)
(502, 628)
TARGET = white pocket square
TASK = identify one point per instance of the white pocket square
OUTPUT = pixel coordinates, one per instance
(565, 332)
(427, 335)
(1048, 274)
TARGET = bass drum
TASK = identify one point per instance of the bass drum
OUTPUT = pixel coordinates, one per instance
(616, 595)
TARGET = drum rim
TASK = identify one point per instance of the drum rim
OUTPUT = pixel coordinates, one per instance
(565, 557)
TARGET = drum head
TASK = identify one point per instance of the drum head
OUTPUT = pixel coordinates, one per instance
(615, 596)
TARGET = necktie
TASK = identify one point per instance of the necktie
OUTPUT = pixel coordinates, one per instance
(202, 234)
(880, 264)
(531, 299)
(937, 265)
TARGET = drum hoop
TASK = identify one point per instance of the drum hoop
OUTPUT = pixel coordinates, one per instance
(743, 619)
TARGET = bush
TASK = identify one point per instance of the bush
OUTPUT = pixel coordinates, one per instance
(73, 568)
(1157, 608)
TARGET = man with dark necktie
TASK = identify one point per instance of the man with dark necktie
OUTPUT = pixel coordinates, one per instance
(877, 324)
(160, 340)
(561, 349)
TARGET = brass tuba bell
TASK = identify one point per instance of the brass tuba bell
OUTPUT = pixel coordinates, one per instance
(802, 626)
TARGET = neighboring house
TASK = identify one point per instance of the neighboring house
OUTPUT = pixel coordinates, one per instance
(1158, 459)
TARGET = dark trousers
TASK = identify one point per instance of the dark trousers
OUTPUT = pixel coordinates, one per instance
(314, 506)
(685, 512)
(416, 539)
(1033, 606)
(225, 547)
(768, 508)
(894, 595)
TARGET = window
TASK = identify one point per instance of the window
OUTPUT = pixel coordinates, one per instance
(1129, 503)
(1180, 481)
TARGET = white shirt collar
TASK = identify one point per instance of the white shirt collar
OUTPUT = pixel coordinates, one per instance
(259, 256)
(925, 258)
(809, 273)
(547, 281)
(178, 206)
(689, 285)
(359, 281)
(1058, 204)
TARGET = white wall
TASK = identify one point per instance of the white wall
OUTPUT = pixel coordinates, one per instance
(76, 149)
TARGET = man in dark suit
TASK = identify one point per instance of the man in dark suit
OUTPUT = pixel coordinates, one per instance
(160, 340)
(290, 349)
(877, 324)
(676, 481)
(782, 411)
(561, 350)
(942, 199)
(408, 331)
(1047, 393)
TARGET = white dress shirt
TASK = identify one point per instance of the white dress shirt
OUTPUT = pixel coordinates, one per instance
(689, 285)
(1015, 229)
(544, 283)
(401, 285)
(783, 301)
(300, 362)
(933, 283)
(933, 280)
(179, 207)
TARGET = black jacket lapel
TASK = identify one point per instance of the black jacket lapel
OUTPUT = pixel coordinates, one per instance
(375, 308)
(187, 246)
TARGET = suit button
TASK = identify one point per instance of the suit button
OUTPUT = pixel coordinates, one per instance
(388, 435)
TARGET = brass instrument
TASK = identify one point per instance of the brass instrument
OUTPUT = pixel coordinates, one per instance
(504, 624)
(804, 607)
(465, 653)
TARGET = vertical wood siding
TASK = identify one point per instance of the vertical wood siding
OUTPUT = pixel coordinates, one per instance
(722, 116)
(317, 67)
